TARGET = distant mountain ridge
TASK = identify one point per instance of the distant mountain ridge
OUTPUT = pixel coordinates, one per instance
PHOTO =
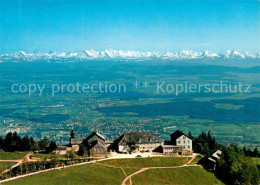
(124, 55)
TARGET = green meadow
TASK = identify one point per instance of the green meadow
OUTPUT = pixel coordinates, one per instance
(6, 165)
(184, 176)
(113, 172)
(12, 155)
(147, 162)
(91, 174)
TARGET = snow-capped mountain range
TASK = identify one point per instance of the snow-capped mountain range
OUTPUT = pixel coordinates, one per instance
(123, 55)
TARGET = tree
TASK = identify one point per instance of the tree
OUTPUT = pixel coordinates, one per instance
(255, 152)
(52, 147)
(205, 144)
(72, 135)
(16, 142)
(245, 151)
(190, 135)
(70, 154)
(26, 144)
(44, 161)
(43, 143)
(235, 168)
(8, 143)
(33, 144)
(1, 143)
(249, 153)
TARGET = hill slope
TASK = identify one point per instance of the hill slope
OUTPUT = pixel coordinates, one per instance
(187, 175)
(115, 171)
(85, 174)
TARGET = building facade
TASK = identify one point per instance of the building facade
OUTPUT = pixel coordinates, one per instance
(75, 143)
(179, 144)
(137, 142)
(178, 138)
(172, 150)
(95, 145)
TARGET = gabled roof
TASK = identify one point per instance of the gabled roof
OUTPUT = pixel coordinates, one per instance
(97, 134)
(139, 138)
(217, 154)
(177, 134)
(212, 157)
(96, 142)
(213, 160)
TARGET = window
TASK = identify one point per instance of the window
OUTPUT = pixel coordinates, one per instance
(183, 141)
(179, 142)
(188, 146)
(188, 141)
(184, 137)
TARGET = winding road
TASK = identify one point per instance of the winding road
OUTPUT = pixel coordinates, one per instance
(147, 168)
(18, 162)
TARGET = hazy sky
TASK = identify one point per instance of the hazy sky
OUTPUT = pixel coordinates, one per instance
(173, 25)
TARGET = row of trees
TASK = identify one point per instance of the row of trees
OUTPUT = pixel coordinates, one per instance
(234, 166)
(249, 153)
(206, 144)
(13, 142)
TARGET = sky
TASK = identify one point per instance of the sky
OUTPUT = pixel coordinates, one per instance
(151, 25)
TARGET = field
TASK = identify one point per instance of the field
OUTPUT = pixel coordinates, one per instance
(12, 155)
(196, 160)
(147, 162)
(48, 156)
(115, 171)
(190, 175)
(91, 174)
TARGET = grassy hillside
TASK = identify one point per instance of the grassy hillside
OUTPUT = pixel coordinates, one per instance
(6, 165)
(184, 176)
(12, 155)
(255, 160)
(147, 162)
(91, 174)
(114, 171)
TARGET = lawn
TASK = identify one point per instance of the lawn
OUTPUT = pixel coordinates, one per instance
(6, 165)
(177, 176)
(196, 160)
(147, 162)
(89, 174)
(47, 156)
(255, 160)
(95, 174)
(41, 156)
(130, 171)
(12, 155)
(50, 156)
